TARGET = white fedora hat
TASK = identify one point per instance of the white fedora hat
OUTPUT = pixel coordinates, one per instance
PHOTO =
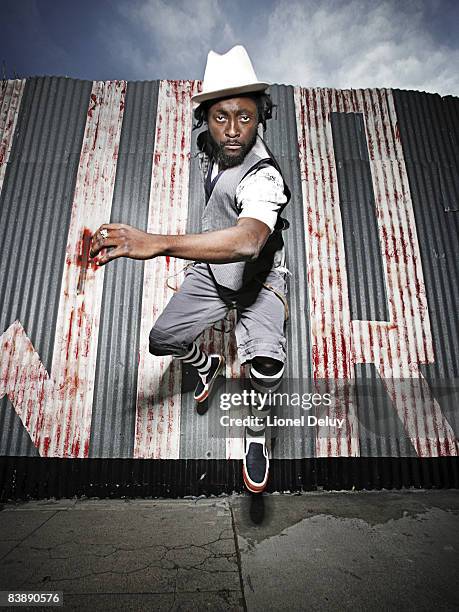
(226, 74)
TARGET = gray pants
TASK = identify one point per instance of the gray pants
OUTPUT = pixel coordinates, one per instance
(200, 302)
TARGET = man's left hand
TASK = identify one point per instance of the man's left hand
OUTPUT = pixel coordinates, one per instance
(119, 240)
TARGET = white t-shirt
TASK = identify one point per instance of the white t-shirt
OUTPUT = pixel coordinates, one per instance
(260, 195)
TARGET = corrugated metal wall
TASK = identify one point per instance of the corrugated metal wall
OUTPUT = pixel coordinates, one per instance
(115, 382)
(373, 251)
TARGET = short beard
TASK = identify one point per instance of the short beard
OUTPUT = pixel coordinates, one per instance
(230, 161)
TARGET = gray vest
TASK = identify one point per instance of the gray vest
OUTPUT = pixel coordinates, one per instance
(222, 211)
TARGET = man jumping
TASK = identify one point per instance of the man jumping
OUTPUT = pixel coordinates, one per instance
(238, 259)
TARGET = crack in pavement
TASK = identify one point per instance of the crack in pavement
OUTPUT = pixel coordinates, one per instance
(28, 535)
(160, 563)
(238, 557)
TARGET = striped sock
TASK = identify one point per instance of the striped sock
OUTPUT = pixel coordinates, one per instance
(197, 358)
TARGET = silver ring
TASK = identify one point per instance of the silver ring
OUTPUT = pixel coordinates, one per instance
(104, 233)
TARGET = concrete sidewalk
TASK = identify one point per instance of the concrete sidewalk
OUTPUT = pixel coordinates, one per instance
(315, 551)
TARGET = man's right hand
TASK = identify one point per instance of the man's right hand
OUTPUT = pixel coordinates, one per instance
(120, 240)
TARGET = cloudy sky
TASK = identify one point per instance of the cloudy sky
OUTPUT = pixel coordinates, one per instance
(410, 44)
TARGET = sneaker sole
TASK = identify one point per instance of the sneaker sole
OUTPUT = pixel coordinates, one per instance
(205, 394)
(253, 488)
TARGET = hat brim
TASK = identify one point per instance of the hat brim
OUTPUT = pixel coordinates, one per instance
(221, 93)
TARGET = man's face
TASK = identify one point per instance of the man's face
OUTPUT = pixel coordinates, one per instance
(232, 126)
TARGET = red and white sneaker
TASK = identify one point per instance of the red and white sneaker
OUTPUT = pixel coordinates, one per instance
(206, 381)
(255, 466)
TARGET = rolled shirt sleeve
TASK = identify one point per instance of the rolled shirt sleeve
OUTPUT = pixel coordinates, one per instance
(260, 195)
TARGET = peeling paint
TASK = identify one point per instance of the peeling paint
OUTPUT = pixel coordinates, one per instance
(60, 422)
(159, 379)
(398, 347)
(10, 102)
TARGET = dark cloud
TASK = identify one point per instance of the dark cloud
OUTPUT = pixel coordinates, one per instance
(411, 44)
